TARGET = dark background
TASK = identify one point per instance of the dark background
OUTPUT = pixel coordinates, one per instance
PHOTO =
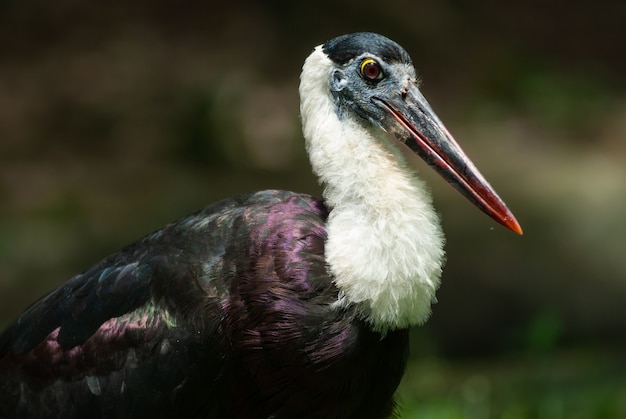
(118, 117)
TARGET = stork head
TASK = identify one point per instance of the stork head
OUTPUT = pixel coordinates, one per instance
(372, 80)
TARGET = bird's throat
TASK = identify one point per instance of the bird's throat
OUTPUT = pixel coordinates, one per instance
(385, 245)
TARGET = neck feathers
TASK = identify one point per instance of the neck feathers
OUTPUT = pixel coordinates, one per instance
(385, 245)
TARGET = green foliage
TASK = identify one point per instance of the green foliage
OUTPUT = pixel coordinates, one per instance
(580, 384)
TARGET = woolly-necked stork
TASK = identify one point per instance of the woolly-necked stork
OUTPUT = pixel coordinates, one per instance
(273, 304)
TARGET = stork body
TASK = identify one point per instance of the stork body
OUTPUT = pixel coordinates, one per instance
(226, 313)
(273, 304)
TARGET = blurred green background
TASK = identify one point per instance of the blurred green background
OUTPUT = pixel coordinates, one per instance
(117, 117)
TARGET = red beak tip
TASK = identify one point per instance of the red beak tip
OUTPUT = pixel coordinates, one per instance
(513, 225)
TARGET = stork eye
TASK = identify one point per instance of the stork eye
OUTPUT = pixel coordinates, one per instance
(370, 70)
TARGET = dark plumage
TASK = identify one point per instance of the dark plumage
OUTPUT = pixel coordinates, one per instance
(177, 325)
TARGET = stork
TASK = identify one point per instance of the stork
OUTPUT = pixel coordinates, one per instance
(272, 304)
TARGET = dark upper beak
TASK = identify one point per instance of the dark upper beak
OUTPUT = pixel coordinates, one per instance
(413, 121)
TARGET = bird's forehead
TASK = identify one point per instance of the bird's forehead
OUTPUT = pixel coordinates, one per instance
(343, 49)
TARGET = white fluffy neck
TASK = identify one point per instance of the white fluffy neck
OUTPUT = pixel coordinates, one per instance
(385, 245)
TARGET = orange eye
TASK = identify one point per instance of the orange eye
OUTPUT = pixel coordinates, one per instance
(370, 70)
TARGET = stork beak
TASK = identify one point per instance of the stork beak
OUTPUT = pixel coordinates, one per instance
(415, 123)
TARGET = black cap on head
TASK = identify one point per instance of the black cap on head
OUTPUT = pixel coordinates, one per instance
(345, 48)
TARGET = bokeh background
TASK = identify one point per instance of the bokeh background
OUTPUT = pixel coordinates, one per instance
(117, 117)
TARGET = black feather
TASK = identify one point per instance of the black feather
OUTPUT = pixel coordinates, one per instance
(224, 314)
